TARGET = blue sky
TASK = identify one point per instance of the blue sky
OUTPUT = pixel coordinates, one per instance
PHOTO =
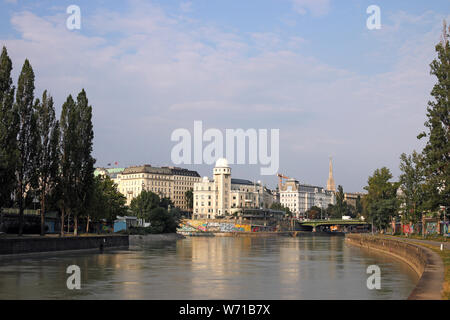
(310, 68)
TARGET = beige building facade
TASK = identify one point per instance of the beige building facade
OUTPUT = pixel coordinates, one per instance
(168, 182)
(299, 198)
(223, 196)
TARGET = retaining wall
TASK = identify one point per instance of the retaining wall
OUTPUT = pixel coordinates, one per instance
(142, 239)
(426, 263)
(20, 245)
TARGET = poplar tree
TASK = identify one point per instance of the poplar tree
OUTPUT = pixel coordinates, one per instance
(437, 150)
(340, 209)
(77, 163)
(27, 139)
(48, 160)
(8, 131)
(68, 144)
(85, 178)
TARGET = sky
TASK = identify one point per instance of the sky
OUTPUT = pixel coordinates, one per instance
(310, 68)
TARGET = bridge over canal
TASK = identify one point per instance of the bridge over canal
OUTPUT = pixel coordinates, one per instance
(313, 224)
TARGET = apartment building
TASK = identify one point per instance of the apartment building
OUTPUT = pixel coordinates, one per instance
(223, 195)
(169, 182)
(299, 198)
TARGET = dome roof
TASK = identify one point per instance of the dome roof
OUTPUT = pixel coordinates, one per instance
(205, 179)
(222, 163)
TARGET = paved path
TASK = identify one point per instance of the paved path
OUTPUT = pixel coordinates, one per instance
(431, 242)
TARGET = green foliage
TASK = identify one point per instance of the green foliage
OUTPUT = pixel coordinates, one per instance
(436, 154)
(280, 207)
(190, 199)
(143, 204)
(313, 213)
(38, 154)
(163, 221)
(166, 203)
(340, 209)
(359, 206)
(8, 131)
(77, 163)
(106, 201)
(48, 150)
(27, 138)
(411, 187)
(381, 200)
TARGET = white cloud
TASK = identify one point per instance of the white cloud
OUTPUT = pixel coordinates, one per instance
(157, 74)
(315, 7)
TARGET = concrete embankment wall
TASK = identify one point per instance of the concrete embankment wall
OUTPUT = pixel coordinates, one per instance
(143, 239)
(426, 263)
(26, 245)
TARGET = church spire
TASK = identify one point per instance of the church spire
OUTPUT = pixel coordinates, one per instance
(330, 183)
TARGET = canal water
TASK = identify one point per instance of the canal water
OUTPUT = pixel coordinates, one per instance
(306, 267)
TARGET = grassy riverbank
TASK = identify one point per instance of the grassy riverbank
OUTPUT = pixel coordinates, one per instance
(438, 238)
(445, 256)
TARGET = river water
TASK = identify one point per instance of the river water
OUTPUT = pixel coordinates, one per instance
(306, 267)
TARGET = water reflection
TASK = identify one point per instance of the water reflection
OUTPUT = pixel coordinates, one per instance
(308, 267)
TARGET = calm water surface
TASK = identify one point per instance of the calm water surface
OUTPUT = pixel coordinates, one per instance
(309, 267)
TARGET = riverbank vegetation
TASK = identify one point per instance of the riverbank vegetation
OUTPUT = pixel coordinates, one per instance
(423, 189)
(160, 213)
(46, 163)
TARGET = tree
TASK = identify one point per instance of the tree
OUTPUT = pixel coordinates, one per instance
(27, 138)
(48, 148)
(162, 221)
(340, 209)
(313, 213)
(411, 186)
(8, 132)
(145, 202)
(329, 211)
(77, 163)
(85, 177)
(436, 153)
(189, 199)
(69, 155)
(106, 201)
(350, 210)
(359, 206)
(280, 207)
(166, 203)
(381, 198)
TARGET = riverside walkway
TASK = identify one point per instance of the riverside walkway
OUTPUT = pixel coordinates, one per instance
(446, 245)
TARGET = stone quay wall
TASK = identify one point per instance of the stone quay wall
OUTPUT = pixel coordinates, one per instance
(426, 263)
(35, 244)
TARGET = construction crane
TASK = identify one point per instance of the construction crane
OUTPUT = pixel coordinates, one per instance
(280, 182)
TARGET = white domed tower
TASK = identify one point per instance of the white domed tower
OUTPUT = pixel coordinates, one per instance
(222, 181)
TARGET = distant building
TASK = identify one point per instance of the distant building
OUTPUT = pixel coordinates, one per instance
(111, 172)
(351, 197)
(223, 196)
(299, 198)
(169, 182)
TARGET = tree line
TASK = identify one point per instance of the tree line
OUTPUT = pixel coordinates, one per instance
(41, 156)
(423, 186)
